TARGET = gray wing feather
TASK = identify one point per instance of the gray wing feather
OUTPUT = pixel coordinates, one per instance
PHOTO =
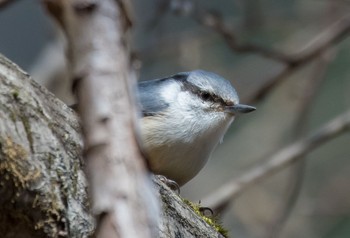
(150, 99)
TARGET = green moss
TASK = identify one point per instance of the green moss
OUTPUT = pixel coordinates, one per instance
(15, 94)
(214, 222)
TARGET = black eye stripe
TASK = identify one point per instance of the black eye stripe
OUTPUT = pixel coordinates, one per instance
(207, 96)
(204, 95)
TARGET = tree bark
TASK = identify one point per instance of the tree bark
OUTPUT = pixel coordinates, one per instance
(42, 185)
(43, 189)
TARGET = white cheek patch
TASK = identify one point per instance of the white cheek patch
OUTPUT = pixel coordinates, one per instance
(184, 99)
(170, 92)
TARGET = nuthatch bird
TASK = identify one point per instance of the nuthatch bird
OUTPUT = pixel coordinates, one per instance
(184, 117)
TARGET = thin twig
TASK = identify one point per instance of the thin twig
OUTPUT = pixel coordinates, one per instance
(332, 35)
(269, 84)
(221, 198)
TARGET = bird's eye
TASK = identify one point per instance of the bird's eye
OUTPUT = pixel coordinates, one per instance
(205, 95)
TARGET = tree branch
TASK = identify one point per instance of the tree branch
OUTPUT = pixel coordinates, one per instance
(221, 198)
(333, 34)
(4, 3)
(330, 36)
(98, 52)
(42, 185)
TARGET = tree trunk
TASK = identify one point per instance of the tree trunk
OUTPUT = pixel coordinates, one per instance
(42, 186)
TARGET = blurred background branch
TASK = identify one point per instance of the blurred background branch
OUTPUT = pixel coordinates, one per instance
(221, 198)
(329, 37)
(4, 3)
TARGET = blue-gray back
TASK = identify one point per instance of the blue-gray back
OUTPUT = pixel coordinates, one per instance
(150, 98)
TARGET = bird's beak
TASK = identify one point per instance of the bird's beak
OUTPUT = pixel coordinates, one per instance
(239, 108)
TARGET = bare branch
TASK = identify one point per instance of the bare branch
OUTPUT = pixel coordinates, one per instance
(260, 92)
(99, 57)
(221, 198)
(4, 3)
(332, 35)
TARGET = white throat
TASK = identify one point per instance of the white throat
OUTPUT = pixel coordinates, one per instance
(186, 136)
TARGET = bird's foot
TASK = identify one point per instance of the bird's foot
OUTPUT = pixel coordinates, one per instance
(170, 183)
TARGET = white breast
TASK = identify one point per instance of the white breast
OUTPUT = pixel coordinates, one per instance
(179, 144)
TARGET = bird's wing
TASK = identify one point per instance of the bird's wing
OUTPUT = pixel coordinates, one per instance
(150, 99)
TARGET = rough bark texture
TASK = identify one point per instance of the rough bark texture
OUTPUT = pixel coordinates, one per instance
(42, 186)
(179, 220)
(42, 183)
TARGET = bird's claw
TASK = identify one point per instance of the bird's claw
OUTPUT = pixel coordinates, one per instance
(170, 183)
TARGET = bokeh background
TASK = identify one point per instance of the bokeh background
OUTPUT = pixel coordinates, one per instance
(308, 199)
